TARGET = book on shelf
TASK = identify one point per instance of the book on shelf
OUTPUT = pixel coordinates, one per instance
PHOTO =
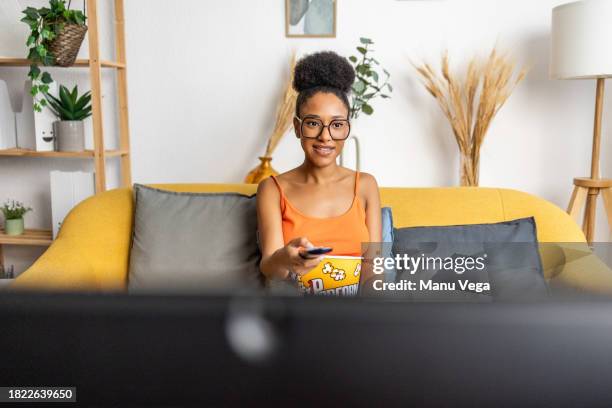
(25, 129)
(7, 119)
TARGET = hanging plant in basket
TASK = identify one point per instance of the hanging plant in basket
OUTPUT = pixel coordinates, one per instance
(56, 34)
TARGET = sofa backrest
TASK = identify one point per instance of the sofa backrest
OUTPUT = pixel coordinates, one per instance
(449, 206)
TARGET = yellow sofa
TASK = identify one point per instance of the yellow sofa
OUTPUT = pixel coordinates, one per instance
(91, 251)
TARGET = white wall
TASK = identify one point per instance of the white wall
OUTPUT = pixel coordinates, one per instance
(205, 76)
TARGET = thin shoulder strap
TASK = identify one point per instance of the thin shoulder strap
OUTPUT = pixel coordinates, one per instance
(356, 182)
(280, 190)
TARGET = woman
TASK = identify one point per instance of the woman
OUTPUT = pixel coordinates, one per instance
(317, 203)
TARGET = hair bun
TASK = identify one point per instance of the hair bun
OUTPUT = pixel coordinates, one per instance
(324, 68)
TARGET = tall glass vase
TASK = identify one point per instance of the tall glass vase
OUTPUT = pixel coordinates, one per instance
(355, 139)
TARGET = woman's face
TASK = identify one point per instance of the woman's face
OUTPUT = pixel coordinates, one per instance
(326, 107)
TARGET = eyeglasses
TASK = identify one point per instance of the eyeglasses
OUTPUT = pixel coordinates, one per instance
(312, 128)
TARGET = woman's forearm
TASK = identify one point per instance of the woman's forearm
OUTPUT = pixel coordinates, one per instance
(275, 266)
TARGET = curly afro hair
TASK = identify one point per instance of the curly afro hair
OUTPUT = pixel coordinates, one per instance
(324, 71)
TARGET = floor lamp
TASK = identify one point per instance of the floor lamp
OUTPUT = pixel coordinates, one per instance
(581, 48)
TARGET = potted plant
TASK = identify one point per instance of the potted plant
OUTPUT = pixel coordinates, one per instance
(368, 82)
(13, 217)
(71, 109)
(56, 34)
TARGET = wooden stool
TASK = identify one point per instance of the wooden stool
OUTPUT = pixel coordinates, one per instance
(586, 190)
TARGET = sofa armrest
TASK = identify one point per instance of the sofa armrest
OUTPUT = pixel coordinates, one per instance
(91, 252)
(59, 268)
(582, 271)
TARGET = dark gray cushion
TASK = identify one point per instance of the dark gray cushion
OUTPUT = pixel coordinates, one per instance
(509, 251)
(193, 242)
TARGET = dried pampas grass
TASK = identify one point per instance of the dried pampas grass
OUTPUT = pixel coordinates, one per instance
(284, 121)
(284, 112)
(471, 105)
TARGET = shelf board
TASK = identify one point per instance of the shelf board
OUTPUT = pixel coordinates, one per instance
(33, 153)
(36, 237)
(81, 63)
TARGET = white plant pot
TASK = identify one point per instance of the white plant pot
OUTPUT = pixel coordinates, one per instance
(69, 135)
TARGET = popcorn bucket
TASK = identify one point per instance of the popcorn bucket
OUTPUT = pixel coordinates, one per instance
(335, 275)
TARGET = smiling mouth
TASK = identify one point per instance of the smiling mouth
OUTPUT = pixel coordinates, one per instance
(323, 150)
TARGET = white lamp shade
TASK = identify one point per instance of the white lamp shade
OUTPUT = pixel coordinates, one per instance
(581, 40)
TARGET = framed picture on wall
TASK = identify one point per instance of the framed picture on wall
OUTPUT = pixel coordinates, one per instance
(310, 18)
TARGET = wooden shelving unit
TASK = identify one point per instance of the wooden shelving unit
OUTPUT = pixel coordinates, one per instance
(39, 237)
(95, 65)
(33, 237)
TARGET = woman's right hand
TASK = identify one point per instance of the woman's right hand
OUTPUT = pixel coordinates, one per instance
(297, 263)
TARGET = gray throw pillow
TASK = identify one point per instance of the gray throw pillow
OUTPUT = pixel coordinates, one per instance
(506, 257)
(193, 242)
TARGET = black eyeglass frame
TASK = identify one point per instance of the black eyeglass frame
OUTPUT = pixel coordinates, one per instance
(323, 126)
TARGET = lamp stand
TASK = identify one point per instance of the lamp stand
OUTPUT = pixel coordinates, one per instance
(586, 189)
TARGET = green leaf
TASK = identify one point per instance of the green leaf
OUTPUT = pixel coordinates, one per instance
(44, 88)
(52, 99)
(31, 12)
(54, 104)
(73, 94)
(41, 50)
(367, 109)
(46, 34)
(82, 114)
(375, 75)
(359, 87)
(83, 101)
(390, 87)
(352, 58)
(79, 18)
(32, 23)
(34, 90)
(369, 95)
(43, 102)
(386, 72)
(65, 114)
(364, 40)
(362, 69)
(31, 40)
(65, 98)
(33, 55)
(384, 96)
(362, 50)
(48, 59)
(34, 72)
(46, 78)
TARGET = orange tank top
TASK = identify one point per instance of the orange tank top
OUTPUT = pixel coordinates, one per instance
(344, 233)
